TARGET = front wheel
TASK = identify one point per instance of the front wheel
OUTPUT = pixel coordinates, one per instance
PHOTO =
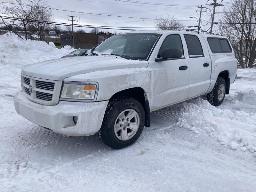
(123, 123)
(217, 95)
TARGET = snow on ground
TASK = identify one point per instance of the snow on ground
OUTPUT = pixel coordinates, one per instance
(190, 147)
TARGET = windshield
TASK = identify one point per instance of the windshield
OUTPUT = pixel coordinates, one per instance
(130, 46)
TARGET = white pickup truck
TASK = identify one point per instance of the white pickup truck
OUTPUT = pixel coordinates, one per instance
(113, 91)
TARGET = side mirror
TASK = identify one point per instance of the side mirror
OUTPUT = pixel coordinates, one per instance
(169, 54)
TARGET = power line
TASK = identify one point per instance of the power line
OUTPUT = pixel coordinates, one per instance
(124, 28)
(100, 27)
(101, 14)
(146, 3)
(88, 13)
(128, 28)
(238, 23)
(110, 15)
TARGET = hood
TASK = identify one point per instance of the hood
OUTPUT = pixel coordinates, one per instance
(60, 69)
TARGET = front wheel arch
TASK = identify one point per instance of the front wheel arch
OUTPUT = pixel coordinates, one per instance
(140, 95)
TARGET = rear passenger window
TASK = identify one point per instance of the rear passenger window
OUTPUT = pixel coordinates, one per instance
(214, 45)
(219, 45)
(194, 46)
(226, 48)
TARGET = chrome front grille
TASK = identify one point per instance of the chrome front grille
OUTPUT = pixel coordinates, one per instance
(43, 96)
(27, 91)
(41, 91)
(26, 80)
(49, 86)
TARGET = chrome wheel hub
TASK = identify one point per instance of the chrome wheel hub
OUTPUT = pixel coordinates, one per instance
(127, 124)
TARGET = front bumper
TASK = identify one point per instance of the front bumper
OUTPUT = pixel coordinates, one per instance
(60, 118)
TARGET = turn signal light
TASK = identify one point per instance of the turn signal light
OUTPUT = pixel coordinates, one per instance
(90, 87)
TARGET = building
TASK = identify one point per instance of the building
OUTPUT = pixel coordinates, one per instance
(84, 40)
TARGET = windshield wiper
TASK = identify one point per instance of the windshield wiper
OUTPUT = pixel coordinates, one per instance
(94, 53)
(130, 57)
(115, 55)
(122, 56)
(112, 54)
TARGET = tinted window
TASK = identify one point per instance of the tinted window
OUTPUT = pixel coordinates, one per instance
(226, 48)
(214, 45)
(172, 42)
(219, 45)
(194, 46)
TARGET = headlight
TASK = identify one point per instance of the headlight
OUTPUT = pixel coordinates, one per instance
(79, 91)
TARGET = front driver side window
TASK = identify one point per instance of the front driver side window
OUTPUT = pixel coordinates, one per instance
(172, 42)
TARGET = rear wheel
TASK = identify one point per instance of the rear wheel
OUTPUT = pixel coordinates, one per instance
(123, 123)
(217, 96)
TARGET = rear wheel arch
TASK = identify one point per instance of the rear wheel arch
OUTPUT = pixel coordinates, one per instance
(217, 95)
(226, 77)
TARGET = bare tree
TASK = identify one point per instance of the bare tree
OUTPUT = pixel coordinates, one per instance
(57, 30)
(31, 16)
(41, 17)
(169, 24)
(238, 24)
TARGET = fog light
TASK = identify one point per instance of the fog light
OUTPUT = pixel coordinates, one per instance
(75, 119)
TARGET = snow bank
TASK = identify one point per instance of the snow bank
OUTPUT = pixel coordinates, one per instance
(16, 51)
(229, 124)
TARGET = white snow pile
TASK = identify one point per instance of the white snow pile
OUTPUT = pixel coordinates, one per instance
(16, 51)
(233, 124)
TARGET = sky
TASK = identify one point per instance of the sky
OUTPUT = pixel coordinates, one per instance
(127, 13)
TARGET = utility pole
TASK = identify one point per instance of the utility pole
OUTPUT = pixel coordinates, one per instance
(214, 4)
(200, 18)
(72, 28)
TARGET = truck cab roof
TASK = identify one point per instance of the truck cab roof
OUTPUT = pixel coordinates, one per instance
(167, 32)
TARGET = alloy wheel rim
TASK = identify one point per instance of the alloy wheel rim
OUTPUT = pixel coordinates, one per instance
(127, 124)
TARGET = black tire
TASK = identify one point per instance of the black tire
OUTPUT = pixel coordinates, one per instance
(114, 109)
(213, 96)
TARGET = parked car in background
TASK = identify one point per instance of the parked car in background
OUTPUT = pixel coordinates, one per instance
(78, 52)
(113, 91)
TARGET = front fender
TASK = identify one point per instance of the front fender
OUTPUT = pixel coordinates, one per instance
(113, 81)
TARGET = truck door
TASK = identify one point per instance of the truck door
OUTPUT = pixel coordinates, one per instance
(170, 78)
(199, 66)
